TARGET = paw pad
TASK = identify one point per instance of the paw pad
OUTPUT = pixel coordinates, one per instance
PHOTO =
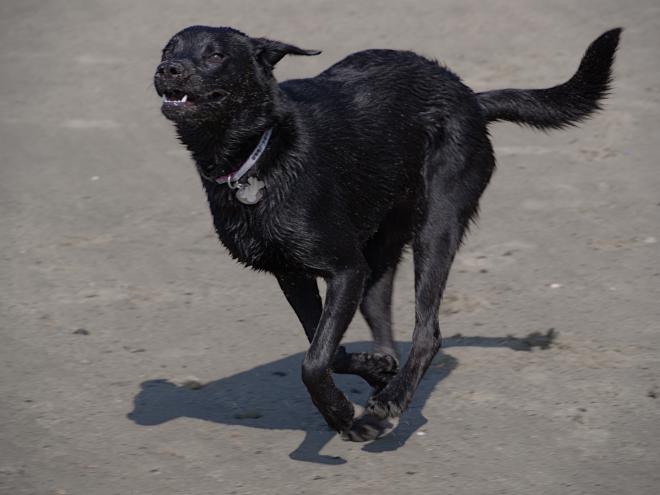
(367, 427)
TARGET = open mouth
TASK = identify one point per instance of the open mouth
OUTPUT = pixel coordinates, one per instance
(175, 98)
(179, 98)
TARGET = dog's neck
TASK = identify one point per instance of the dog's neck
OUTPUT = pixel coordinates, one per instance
(226, 145)
(216, 146)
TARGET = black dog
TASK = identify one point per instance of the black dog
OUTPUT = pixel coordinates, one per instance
(333, 176)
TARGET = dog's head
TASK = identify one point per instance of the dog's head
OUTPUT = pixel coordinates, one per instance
(209, 74)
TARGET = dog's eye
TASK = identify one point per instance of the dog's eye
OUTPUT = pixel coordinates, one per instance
(216, 57)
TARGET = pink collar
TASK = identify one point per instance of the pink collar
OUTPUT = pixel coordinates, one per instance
(235, 176)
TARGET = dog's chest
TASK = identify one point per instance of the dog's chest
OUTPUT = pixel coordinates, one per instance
(251, 237)
(249, 246)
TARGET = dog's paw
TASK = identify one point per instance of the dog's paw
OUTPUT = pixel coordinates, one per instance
(379, 369)
(383, 408)
(383, 365)
(367, 427)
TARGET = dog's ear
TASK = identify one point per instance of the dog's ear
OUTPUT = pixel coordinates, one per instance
(269, 52)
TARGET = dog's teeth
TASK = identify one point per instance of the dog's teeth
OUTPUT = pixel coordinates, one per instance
(164, 98)
(184, 99)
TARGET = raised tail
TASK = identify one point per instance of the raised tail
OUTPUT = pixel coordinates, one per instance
(563, 105)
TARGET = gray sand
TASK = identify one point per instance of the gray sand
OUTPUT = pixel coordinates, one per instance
(104, 227)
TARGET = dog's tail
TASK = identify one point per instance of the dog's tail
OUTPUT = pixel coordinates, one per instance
(563, 105)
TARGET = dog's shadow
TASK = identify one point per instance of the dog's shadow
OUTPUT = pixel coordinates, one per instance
(272, 396)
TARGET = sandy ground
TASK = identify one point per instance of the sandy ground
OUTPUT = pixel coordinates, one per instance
(114, 291)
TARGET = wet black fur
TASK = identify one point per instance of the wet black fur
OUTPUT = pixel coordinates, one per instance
(382, 150)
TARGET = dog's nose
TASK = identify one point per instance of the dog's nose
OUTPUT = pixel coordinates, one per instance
(171, 69)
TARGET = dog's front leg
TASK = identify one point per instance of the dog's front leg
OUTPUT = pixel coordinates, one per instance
(301, 290)
(342, 298)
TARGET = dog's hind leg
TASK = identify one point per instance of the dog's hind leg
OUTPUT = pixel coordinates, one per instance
(454, 181)
(383, 254)
(376, 307)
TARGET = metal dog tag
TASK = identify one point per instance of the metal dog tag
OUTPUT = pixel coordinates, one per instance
(251, 193)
